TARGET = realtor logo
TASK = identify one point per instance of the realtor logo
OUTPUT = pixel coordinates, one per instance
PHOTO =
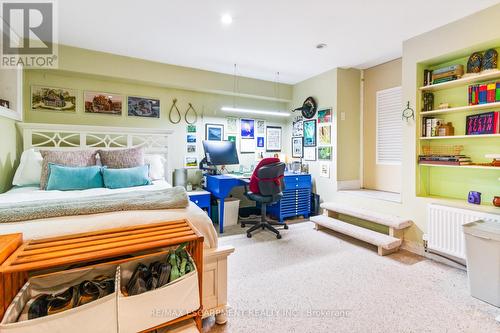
(28, 34)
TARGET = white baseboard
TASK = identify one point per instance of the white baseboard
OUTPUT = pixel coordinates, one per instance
(349, 184)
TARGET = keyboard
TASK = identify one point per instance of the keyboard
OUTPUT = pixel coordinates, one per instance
(240, 175)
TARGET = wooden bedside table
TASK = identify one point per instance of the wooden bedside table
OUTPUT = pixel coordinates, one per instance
(202, 199)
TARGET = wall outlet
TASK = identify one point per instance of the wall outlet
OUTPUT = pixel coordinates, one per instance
(342, 115)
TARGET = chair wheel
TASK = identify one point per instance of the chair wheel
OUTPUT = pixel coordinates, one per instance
(263, 227)
(285, 227)
(278, 236)
(243, 225)
(249, 235)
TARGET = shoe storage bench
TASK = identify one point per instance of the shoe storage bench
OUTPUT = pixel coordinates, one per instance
(92, 253)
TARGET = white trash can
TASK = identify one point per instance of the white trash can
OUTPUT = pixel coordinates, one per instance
(482, 247)
(231, 208)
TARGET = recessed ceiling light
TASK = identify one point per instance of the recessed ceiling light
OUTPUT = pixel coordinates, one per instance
(321, 46)
(226, 19)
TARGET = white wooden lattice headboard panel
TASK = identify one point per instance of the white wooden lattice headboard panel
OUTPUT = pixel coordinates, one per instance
(76, 137)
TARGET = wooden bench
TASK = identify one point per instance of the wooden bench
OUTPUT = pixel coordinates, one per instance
(386, 244)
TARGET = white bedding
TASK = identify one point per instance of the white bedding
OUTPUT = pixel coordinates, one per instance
(84, 223)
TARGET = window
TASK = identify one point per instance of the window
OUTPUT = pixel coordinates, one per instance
(389, 126)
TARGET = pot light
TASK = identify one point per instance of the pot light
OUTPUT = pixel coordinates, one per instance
(321, 46)
(226, 19)
(252, 111)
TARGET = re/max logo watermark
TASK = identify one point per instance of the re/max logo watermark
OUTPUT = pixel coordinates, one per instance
(29, 34)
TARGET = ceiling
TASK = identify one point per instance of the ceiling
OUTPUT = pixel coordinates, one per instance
(265, 36)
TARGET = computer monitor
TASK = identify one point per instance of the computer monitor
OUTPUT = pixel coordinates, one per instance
(221, 152)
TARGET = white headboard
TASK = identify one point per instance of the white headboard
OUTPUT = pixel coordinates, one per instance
(77, 137)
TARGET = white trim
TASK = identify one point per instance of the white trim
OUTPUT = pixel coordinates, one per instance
(361, 129)
(15, 114)
(348, 185)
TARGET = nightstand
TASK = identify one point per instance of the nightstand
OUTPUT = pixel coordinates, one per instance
(202, 199)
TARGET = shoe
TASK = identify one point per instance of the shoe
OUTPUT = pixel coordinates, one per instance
(35, 308)
(160, 272)
(63, 301)
(137, 283)
(89, 291)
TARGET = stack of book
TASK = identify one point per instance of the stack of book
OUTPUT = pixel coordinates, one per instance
(444, 74)
(430, 125)
(445, 159)
(484, 93)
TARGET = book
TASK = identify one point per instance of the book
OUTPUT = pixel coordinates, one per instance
(445, 163)
(435, 122)
(483, 93)
(448, 69)
(491, 92)
(445, 79)
(428, 127)
(483, 123)
(474, 94)
(427, 77)
(498, 92)
(458, 73)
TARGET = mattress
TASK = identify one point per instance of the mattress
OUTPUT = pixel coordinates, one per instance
(57, 226)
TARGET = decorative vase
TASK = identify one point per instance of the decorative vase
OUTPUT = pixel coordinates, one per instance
(496, 201)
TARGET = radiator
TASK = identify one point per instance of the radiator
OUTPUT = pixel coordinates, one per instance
(445, 233)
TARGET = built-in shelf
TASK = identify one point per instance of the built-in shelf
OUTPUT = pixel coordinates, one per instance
(460, 137)
(485, 206)
(484, 167)
(459, 109)
(463, 81)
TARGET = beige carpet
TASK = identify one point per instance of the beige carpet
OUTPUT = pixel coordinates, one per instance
(316, 281)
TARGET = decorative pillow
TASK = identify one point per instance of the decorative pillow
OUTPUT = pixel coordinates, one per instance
(29, 170)
(126, 177)
(156, 166)
(65, 178)
(122, 158)
(73, 158)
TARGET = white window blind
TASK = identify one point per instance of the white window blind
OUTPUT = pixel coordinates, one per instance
(389, 126)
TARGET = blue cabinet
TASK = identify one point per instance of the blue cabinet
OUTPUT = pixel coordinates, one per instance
(201, 199)
(296, 199)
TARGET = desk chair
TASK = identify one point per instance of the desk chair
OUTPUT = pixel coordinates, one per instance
(270, 185)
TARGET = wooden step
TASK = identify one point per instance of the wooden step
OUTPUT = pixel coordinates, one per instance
(386, 244)
(391, 221)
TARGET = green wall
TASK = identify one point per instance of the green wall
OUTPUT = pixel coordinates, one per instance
(10, 148)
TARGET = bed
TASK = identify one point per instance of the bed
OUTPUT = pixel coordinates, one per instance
(67, 137)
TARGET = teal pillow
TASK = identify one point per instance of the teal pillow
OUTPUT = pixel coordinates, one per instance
(64, 178)
(126, 177)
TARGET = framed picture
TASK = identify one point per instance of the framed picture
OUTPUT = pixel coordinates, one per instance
(310, 153)
(298, 147)
(53, 99)
(191, 128)
(273, 138)
(191, 138)
(232, 125)
(247, 128)
(298, 128)
(103, 103)
(325, 153)
(310, 133)
(247, 146)
(143, 107)
(325, 135)
(325, 116)
(260, 142)
(191, 149)
(324, 170)
(191, 162)
(214, 132)
(260, 127)
(231, 138)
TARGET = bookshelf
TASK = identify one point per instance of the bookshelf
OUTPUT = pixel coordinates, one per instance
(453, 182)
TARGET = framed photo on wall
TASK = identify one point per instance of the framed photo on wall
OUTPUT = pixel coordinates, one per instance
(310, 133)
(325, 135)
(273, 138)
(103, 103)
(232, 125)
(53, 99)
(310, 153)
(325, 153)
(298, 147)
(247, 127)
(324, 170)
(325, 116)
(260, 141)
(143, 107)
(214, 132)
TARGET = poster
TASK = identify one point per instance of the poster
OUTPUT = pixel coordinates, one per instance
(247, 127)
(273, 138)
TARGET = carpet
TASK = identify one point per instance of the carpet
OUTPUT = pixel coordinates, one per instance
(320, 281)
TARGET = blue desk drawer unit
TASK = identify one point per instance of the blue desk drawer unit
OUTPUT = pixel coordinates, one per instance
(296, 199)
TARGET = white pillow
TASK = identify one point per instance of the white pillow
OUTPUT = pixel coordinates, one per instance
(156, 166)
(29, 170)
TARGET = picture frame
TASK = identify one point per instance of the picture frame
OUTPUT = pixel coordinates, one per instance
(143, 107)
(13, 94)
(247, 128)
(310, 133)
(232, 124)
(45, 98)
(260, 142)
(325, 135)
(191, 162)
(310, 153)
(191, 138)
(260, 127)
(324, 116)
(273, 138)
(103, 103)
(191, 148)
(297, 147)
(324, 170)
(214, 132)
(191, 128)
(231, 138)
(298, 127)
(325, 153)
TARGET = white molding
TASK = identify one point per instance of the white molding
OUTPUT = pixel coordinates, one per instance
(348, 185)
(88, 128)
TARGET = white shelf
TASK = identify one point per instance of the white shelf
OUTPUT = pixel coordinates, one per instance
(462, 109)
(463, 81)
(461, 166)
(460, 137)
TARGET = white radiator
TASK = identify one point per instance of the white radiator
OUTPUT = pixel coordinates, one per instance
(445, 233)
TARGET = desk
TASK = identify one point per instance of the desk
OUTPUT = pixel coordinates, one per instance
(220, 186)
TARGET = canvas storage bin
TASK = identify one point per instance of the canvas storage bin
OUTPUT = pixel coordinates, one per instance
(158, 306)
(97, 316)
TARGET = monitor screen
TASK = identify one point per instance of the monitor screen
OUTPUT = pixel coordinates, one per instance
(221, 152)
